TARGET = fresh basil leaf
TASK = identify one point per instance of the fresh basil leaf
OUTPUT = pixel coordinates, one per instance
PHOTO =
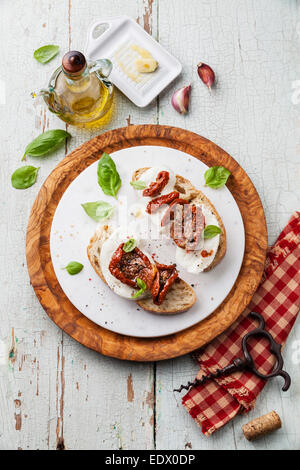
(216, 176)
(129, 245)
(142, 285)
(45, 53)
(73, 267)
(98, 210)
(46, 142)
(24, 177)
(138, 184)
(211, 231)
(108, 178)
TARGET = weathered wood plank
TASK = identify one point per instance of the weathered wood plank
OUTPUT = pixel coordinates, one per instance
(28, 387)
(54, 392)
(251, 46)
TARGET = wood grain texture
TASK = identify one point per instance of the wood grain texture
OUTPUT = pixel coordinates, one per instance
(67, 317)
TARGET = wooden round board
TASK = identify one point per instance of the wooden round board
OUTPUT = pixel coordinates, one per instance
(62, 311)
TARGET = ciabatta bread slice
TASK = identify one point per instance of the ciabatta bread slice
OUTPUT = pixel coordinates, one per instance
(190, 193)
(180, 298)
(94, 248)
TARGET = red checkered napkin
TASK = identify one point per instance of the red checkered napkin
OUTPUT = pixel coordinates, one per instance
(278, 300)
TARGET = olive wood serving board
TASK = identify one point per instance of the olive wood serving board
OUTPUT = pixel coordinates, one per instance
(72, 321)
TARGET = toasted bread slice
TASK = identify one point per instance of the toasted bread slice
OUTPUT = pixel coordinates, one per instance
(180, 298)
(193, 195)
(94, 248)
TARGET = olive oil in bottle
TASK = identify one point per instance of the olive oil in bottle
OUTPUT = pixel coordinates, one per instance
(79, 92)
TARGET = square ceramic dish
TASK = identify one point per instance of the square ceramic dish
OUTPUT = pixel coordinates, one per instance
(112, 39)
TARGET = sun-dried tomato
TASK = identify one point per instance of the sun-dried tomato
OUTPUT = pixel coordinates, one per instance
(188, 225)
(177, 227)
(164, 279)
(156, 203)
(194, 223)
(156, 187)
(169, 214)
(128, 266)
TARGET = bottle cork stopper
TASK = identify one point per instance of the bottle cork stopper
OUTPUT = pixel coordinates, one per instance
(261, 426)
(73, 62)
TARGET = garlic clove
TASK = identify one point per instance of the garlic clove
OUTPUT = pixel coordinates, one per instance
(181, 99)
(146, 65)
(206, 74)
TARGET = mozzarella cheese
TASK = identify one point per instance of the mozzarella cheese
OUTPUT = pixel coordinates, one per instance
(108, 248)
(194, 261)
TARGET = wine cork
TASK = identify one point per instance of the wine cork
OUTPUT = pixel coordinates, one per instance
(261, 426)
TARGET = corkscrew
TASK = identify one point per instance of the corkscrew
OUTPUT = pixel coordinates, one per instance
(247, 363)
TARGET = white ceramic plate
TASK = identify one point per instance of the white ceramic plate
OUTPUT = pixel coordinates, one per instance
(72, 229)
(112, 38)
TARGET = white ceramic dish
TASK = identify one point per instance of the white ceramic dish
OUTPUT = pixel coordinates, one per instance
(110, 36)
(72, 228)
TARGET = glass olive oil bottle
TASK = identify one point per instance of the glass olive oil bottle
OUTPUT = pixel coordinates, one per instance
(80, 92)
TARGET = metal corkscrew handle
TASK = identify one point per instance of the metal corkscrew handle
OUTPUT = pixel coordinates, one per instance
(247, 362)
(275, 348)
